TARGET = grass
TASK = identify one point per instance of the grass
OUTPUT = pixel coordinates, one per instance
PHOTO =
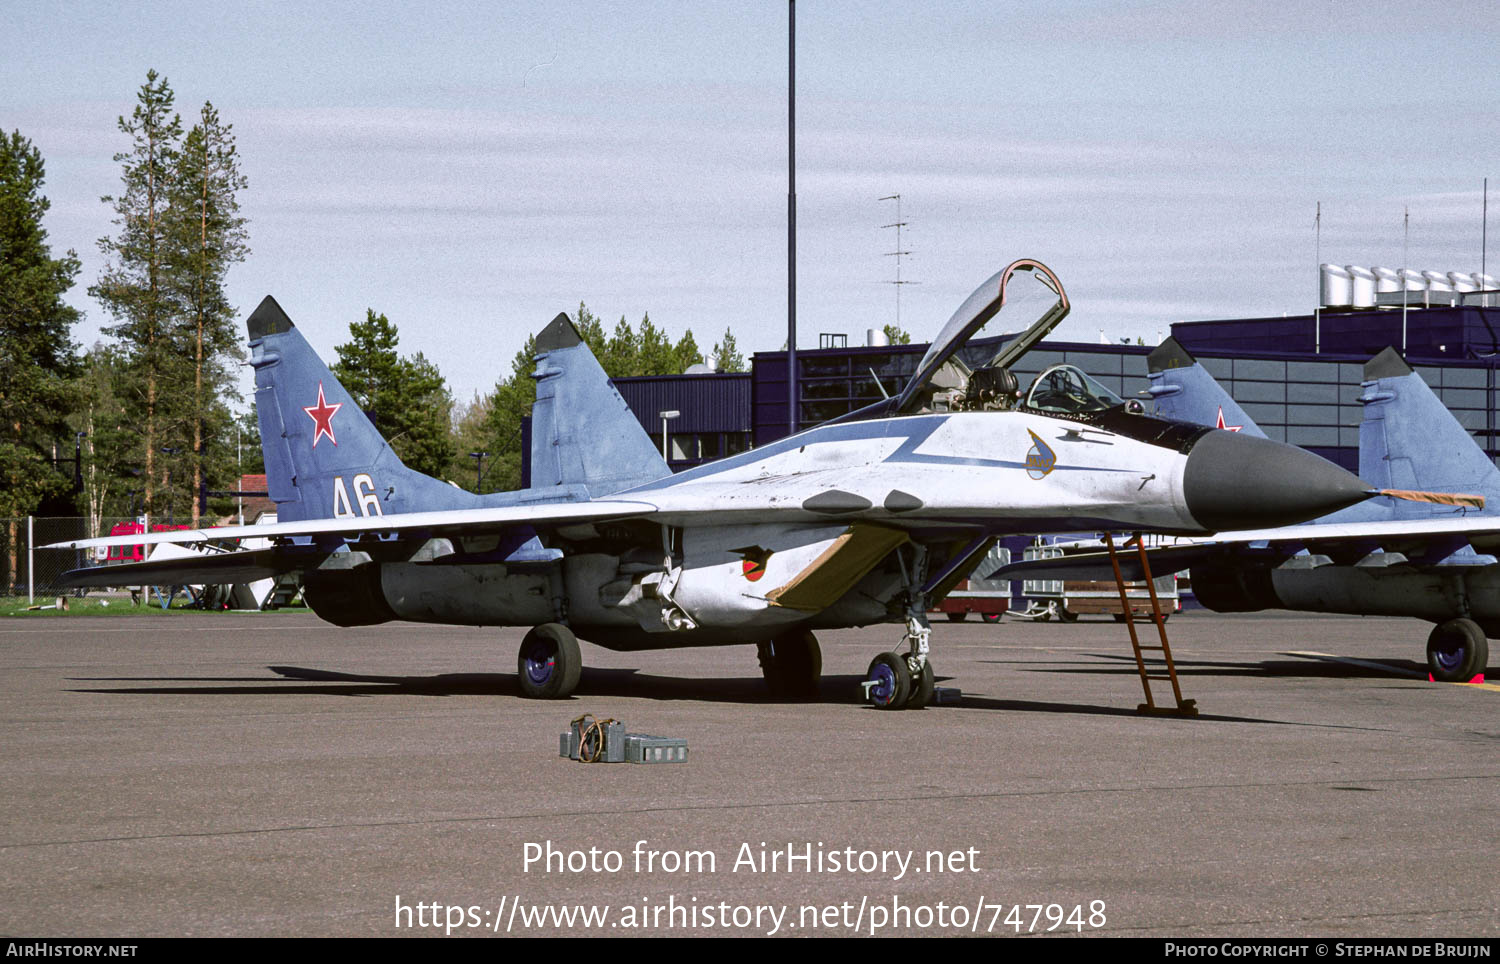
(108, 605)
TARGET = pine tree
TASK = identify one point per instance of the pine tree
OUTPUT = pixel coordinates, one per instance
(209, 235)
(655, 356)
(36, 348)
(508, 405)
(686, 353)
(406, 397)
(726, 355)
(896, 336)
(621, 356)
(137, 287)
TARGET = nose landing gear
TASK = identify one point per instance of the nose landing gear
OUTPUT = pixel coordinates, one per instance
(903, 682)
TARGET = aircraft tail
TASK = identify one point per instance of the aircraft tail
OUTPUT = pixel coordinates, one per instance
(324, 458)
(1184, 391)
(581, 429)
(1409, 440)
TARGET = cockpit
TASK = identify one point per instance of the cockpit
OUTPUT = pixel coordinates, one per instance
(968, 367)
(1066, 390)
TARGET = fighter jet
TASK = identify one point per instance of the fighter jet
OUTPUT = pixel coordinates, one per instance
(1386, 556)
(867, 520)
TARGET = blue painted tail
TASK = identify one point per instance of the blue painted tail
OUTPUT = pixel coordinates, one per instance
(1185, 392)
(1409, 440)
(324, 459)
(582, 432)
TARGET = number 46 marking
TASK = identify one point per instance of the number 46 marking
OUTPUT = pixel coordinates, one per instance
(364, 491)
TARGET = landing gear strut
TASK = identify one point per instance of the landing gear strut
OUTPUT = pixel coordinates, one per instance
(899, 681)
(792, 663)
(549, 663)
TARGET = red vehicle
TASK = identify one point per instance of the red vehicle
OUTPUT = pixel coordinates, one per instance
(133, 553)
(989, 598)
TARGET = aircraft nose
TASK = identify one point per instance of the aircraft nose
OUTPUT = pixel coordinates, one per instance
(1234, 481)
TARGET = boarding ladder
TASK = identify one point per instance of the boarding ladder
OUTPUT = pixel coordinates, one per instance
(1183, 707)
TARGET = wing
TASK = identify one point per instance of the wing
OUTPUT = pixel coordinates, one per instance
(1419, 540)
(408, 524)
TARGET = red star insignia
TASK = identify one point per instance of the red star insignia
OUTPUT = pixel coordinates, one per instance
(322, 416)
(1227, 428)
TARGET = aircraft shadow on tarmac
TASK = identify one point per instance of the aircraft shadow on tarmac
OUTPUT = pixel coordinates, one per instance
(294, 680)
(834, 690)
(1124, 665)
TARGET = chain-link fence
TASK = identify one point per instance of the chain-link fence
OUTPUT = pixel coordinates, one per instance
(26, 569)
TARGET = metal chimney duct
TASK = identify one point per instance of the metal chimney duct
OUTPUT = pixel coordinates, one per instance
(1439, 289)
(1361, 286)
(1334, 288)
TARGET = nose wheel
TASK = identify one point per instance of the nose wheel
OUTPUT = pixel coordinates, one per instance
(888, 682)
(897, 681)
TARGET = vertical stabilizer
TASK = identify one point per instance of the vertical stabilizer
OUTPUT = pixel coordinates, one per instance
(324, 459)
(1185, 392)
(581, 429)
(1409, 440)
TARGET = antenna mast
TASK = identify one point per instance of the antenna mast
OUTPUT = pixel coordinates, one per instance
(1318, 259)
(898, 254)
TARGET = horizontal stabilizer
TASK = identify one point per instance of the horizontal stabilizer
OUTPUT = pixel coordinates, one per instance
(1436, 498)
(838, 568)
(1094, 564)
(210, 568)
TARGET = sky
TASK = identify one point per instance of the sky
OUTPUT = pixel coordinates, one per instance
(470, 170)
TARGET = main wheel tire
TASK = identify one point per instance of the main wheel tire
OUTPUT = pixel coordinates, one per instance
(548, 664)
(892, 679)
(792, 664)
(923, 685)
(957, 617)
(990, 617)
(1066, 615)
(1457, 651)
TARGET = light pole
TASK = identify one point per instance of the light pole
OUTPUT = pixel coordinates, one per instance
(666, 417)
(479, 458)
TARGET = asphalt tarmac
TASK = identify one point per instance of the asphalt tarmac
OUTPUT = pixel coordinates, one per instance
(273, 775)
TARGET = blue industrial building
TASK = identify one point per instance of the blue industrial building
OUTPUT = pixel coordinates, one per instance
(1298, 377)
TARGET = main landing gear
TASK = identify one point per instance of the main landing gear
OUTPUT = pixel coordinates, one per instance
(1457, 651)
(792, 664)
(548, 664)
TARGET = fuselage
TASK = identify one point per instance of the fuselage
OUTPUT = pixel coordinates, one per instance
(848, 499)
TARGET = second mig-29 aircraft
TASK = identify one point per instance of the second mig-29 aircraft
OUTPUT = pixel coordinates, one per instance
(1407, 439)
(868, 519)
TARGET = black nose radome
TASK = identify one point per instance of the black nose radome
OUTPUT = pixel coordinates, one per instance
(1240, 482)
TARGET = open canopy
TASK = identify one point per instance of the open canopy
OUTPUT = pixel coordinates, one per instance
(967, 366)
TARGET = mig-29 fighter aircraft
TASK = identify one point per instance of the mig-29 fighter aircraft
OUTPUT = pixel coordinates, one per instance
(868, 519)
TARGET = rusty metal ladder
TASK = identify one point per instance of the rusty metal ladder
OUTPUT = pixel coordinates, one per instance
(1183, 707)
